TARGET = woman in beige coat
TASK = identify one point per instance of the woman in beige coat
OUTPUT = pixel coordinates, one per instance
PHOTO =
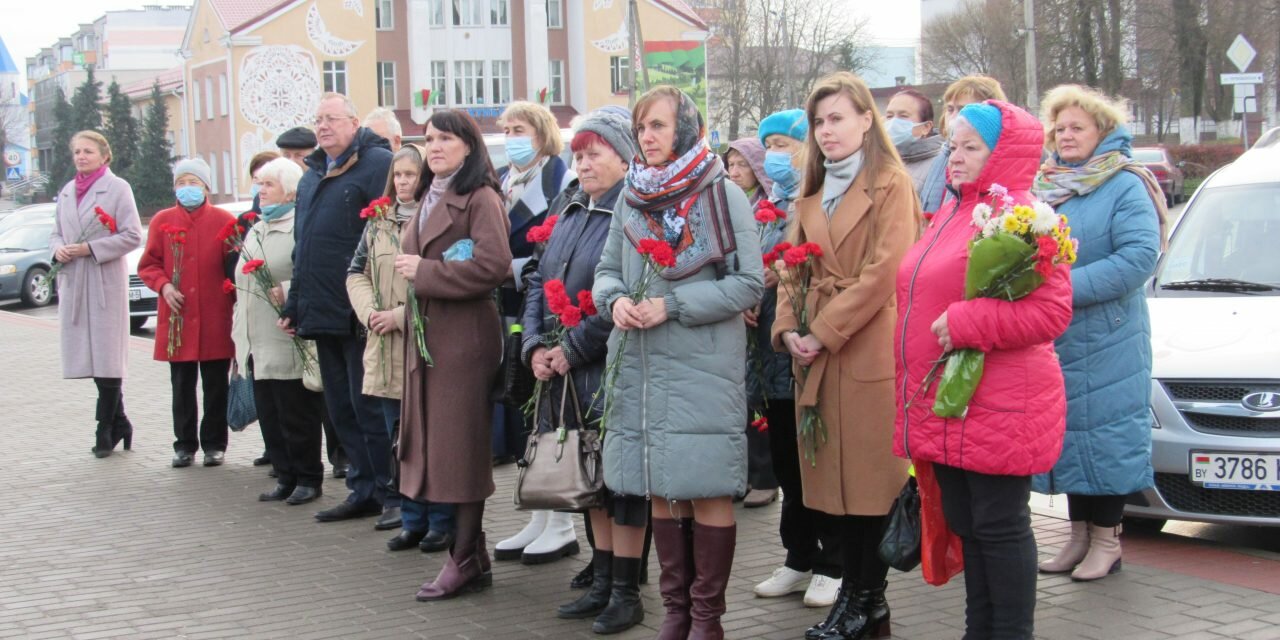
(860, 208)
(93, 284)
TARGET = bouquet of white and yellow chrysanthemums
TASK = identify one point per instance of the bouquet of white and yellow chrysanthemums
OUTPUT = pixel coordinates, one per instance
(1016, 248)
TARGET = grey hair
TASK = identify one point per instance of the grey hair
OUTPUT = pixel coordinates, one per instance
(284, 171)
(383, 114)
(347, 104)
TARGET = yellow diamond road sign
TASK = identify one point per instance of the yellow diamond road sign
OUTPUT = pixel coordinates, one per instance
(1241, 53)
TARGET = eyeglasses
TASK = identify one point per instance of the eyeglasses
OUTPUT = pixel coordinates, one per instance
(329, 120)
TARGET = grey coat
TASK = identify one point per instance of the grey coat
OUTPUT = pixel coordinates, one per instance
(93, 292)
(675, 428)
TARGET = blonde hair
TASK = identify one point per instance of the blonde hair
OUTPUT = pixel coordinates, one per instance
(977, 88)
(878, 153)
(284, 171)
(347, 104)
(1107, 112)
(543, 122)
(411, 152)
(104, 147)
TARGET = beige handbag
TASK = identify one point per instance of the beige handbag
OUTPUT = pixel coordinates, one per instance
(311, 372)
(561, 469)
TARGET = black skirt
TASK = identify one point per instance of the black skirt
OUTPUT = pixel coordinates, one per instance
(627, 510)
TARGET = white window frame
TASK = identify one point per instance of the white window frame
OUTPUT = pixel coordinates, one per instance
(555, 81)
(500, 82)
(334, 76)
(223, 98)
(619, 74)
(464, 72)
(461, 10)
(555, 18)
(212, 160)
(384, 15)
(208, 97)
(227, 187)
(386, 74)
(439, 83)
(435, 14)
(500, 8)
(195, 100)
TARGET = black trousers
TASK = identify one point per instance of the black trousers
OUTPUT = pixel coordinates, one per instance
(992, 517)
(760, 473)
(214, 380)
(811, 538)
(357, 418)
(289, 415)
(1103, 511)
(860, 551)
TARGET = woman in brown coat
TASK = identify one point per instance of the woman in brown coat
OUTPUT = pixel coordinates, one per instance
(454, 255)
(860, 208)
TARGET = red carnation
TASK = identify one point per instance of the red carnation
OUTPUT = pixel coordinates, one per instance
(557, 298)
(228, 286)
(663, 256)
(251, 266)
(537, 235)
(180, 237)
(813, 249)
(795, 256)
(587, 304)
(760, 424)
(228, 230)
(106, 219)
(767, 212)
(571, 316)
(769, 258)
(781, 247)
(1048, 248)
(647, 246)
(250, 217)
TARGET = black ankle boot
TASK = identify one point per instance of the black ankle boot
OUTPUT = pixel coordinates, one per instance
(867, 616)
(594, 601)
(838, 612)
(625, 609)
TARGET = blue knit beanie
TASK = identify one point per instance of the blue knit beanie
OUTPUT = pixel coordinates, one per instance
(791, 122)
(986, 120)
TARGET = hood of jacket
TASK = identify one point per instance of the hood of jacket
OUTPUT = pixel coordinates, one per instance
(1016, 158)
(753, 151)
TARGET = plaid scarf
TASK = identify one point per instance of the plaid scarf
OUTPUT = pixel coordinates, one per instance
(1055, 183)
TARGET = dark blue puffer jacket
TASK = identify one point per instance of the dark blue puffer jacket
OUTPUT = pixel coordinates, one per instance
(327, 231)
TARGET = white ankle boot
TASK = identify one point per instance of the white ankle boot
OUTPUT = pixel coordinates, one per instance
(1103, 558)
(1072, 552)
(511, 548)
(559, 539)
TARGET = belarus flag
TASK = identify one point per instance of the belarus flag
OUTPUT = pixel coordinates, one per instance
(1202, 459)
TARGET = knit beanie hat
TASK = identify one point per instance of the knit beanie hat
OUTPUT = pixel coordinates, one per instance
(791, 122)
(613, 123)
(196, 167)
(986, 120)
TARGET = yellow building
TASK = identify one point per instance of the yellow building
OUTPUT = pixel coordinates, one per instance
(256, 68)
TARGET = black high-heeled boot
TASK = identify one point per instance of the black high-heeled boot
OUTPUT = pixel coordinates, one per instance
(102, 440)
(122, 430)
(867, 616)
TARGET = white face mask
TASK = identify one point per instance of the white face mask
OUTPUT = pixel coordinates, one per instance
(901, 131)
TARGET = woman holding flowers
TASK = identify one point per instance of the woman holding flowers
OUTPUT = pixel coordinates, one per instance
(184, 262)
(454, 253)
(1116, 210)
(565, 343)
(288, 412)
(984, 458)
(379, 295)
(675, 410)
(856, 217)
(96, 225)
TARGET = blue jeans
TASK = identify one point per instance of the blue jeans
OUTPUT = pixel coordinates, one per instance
(357, 418)
(416, 515)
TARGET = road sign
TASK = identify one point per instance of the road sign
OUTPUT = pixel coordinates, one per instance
(1241, 53)
(1242, 78)
(1245, 99)
(14, 173)
(715, 138)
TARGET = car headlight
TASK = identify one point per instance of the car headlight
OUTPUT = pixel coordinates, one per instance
(8, 269)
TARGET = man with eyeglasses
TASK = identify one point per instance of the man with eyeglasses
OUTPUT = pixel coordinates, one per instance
(346, 172)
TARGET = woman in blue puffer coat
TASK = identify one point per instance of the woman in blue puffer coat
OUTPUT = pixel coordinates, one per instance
(1116, 212)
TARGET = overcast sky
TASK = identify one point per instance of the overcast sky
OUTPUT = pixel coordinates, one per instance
(29, 25)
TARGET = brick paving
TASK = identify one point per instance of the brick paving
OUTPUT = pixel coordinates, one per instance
(127, 547)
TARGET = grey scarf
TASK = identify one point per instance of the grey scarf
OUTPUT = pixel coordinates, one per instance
(921, 149)
(439, 185)
(840, 176)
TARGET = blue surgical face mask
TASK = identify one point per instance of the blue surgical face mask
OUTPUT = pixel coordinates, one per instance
(520, 150)
(254, 190)
(190, 197)
(900, 131)
(777, 165)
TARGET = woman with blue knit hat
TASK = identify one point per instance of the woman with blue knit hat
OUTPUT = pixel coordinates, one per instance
(812, 563)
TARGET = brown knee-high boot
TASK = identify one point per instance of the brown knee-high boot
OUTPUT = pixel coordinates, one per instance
(467, 568)
(713, 549)
(674, 541)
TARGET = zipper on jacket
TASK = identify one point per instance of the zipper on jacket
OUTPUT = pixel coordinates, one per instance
(644, 414)
(906, 317)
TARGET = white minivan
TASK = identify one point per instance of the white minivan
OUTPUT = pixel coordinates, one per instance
(1215, 322)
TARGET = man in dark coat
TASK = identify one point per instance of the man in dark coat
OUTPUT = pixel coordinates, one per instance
(343, 176)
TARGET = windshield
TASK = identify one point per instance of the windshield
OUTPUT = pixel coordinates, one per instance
(1148, 155)
(29, 238)
(1228, 233)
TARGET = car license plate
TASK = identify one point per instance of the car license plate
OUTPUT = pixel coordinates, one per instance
(134, 295)
(1249, 471)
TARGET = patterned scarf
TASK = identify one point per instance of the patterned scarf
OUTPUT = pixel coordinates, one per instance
(1055, 183)
(666, 194)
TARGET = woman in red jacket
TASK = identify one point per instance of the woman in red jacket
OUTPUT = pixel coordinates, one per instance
(193, 330)
(1014, 424)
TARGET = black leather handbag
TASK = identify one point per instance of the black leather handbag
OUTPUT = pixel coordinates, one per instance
(900, 545)
(517, 379)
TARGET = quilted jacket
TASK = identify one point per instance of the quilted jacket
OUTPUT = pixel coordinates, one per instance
(1016, 418)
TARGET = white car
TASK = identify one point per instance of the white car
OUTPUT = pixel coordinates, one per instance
(143, 302)
(1215, 321)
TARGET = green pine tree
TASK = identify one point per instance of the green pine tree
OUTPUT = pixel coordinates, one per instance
(121, 131)
(86, 103)
(61, 169)
(152, 174)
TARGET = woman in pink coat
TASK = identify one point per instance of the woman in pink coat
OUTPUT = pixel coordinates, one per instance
(1014, 424)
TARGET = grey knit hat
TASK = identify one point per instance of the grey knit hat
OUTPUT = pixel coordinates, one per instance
(196, 167)
(613, 123)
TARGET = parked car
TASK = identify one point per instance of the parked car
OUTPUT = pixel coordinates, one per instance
(25, 261)
(1167, 172)
(1215, 385)
(144, 302)
(30, 214)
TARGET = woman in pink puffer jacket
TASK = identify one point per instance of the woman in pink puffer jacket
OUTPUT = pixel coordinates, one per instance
(1015, 422)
